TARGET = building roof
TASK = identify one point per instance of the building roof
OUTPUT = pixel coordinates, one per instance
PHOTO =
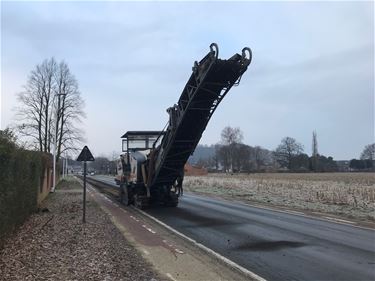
(142, 134)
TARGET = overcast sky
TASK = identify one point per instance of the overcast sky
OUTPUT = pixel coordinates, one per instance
(312, 69)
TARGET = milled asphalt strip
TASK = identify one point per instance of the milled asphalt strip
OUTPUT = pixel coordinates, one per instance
(206, 249)
(292, 212)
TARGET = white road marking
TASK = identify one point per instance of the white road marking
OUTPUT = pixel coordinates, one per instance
(340, 220)
(106, 198)
(149, 229)
(296, 212)
(206, 249)
(134, 218)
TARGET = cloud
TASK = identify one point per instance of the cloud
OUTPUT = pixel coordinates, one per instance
(312, 67)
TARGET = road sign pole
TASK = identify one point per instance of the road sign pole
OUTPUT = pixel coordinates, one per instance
(84, 156)
(84, 191)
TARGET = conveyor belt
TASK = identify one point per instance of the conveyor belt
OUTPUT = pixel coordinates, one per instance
(210, 81)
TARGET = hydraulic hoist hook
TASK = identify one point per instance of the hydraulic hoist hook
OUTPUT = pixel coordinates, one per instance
(249, 53)
(216, 51)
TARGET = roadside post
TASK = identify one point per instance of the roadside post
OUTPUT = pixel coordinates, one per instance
(85, 156)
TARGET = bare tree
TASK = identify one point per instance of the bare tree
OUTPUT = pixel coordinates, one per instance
(261, 156)
(69, 110)
(368, 152)
(223, 156)
(287, 149)
(50, 107)
(314, 144)
(215, 157)
(315, 154)
(35, 114)
(230, 137)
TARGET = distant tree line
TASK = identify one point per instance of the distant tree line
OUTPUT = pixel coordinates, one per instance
(362, 164)
(366, 161)
(290, 155)
(231, 155)
(102, 165)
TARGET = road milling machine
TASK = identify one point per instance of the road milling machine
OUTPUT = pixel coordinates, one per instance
(151, 168)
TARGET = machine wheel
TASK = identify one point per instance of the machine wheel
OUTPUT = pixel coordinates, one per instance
(124, 195)
(141, 202)
(172, 200)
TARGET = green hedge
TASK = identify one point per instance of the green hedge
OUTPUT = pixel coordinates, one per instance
(20, 179)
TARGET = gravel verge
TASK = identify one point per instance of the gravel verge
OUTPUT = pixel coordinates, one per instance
(56, 245)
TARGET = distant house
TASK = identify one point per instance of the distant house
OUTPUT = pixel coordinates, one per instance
(75, 169)
(343, 165)
(191, 170)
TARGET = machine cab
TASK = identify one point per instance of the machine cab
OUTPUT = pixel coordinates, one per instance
(136, 145)
(140, 140)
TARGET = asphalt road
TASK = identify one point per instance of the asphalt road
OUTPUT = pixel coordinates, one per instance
(272, 244)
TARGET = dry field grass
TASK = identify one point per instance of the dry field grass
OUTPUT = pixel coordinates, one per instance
(348, 194)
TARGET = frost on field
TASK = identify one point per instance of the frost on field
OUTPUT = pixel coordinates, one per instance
(350, 194)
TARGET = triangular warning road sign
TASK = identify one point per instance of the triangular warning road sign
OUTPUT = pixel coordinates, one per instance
(85, 155)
